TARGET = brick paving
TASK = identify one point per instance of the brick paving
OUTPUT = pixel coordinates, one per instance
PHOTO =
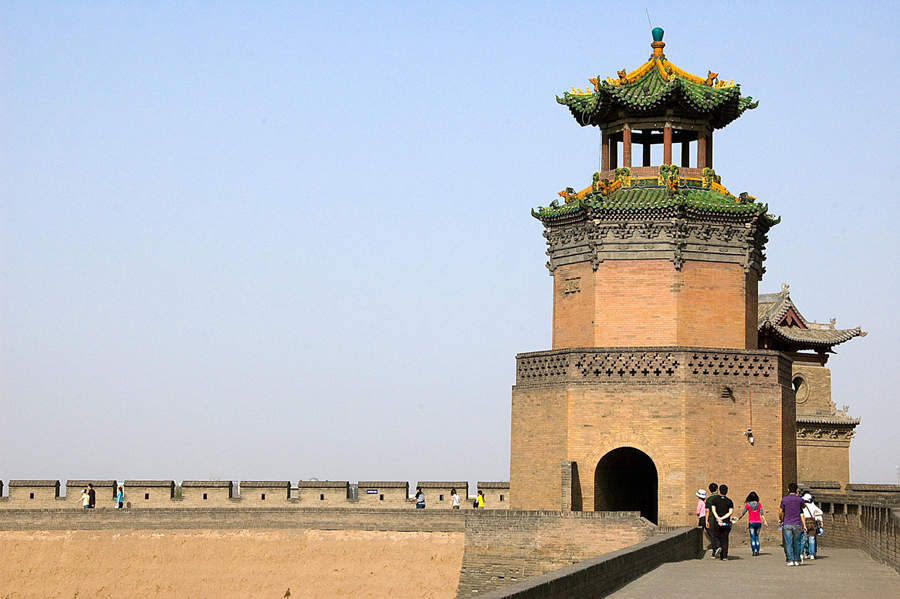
(844, 573)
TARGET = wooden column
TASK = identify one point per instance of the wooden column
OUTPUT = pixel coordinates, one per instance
(646, 145)
(667, 144)
(701, 151)
(613, 152)
(709, 149)
(604, 152)
(626, 147)
(685, 154)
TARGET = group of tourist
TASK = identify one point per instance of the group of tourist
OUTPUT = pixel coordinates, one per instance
(799, 519)
(477, 503)
(89, 498)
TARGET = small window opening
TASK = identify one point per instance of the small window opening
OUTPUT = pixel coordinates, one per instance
(381, 497)
(321, 497)
(204, 497)
(262, 496)
(501, 498)
(31, 496)
(441, 497)
(146, 495)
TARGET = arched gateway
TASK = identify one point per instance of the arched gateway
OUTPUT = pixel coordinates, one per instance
(625, 480)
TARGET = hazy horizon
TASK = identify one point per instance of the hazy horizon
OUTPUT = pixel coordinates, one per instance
(284, 241)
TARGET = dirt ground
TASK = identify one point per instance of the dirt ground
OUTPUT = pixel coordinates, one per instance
(223, 564)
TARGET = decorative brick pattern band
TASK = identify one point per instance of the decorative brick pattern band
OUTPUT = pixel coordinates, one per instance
(615, 365)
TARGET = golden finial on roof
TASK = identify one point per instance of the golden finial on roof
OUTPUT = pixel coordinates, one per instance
(711, 78)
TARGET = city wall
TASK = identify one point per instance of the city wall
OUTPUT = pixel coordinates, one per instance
(505, 547)
(166, 494)
(500, 547)
(866, 517)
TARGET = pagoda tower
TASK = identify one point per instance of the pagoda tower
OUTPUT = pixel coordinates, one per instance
(654, 386)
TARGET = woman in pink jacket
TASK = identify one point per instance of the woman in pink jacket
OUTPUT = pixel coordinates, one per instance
(755, 519)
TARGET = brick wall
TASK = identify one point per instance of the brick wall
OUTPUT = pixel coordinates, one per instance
(32, 493)
(323, 494)
(870, 522)
(573, 306)
(579, 405)
(207, 493)
(539, 422)
(236, 518)
(437, 493)
(384, 495)
(600, 576)
(148, 493)
(257, 493)
(504, 547)
(823, 459)
(496, 494)
(628, 303)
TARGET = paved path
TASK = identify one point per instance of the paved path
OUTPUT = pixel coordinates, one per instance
(835, 573)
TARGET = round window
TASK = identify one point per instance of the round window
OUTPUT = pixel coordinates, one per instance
(801, 389)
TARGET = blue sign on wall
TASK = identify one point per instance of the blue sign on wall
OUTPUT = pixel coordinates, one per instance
(371, 491)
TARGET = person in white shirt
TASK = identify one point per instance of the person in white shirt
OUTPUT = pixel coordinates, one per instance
(812, 513)
(454, 499)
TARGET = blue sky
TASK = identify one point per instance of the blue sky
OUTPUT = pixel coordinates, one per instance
(286, 240)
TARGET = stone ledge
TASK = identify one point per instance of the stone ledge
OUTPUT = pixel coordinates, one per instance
(36, 483)
(873, 488)
(602, 575)
(323, 484)
(149, 483)
(265, 484)
(383, 484)
(206, 484)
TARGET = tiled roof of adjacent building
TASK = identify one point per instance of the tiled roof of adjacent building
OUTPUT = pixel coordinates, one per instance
(772, 308)
(832, 419)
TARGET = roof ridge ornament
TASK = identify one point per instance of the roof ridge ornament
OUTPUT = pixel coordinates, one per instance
(657, 44)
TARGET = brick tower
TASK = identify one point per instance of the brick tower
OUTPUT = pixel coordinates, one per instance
(654, 386)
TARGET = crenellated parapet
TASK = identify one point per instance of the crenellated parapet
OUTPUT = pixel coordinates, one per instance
(226, 494)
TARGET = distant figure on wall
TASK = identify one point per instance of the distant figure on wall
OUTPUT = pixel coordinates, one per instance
(420, 499)
(701, 508)
(454, 499)
(790, 515)
(755, 518)
(85, 499)
(479, 500)
(92, 495)
(120, 498)
(722, 508)
(713, 541)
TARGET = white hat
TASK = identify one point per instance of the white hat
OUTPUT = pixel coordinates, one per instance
(701, 493)
(807, 497)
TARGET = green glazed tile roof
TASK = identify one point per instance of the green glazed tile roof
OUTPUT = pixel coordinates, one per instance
(652, 88)
(656, 198)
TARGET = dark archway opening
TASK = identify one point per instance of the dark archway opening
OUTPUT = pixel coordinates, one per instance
(625, 480)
